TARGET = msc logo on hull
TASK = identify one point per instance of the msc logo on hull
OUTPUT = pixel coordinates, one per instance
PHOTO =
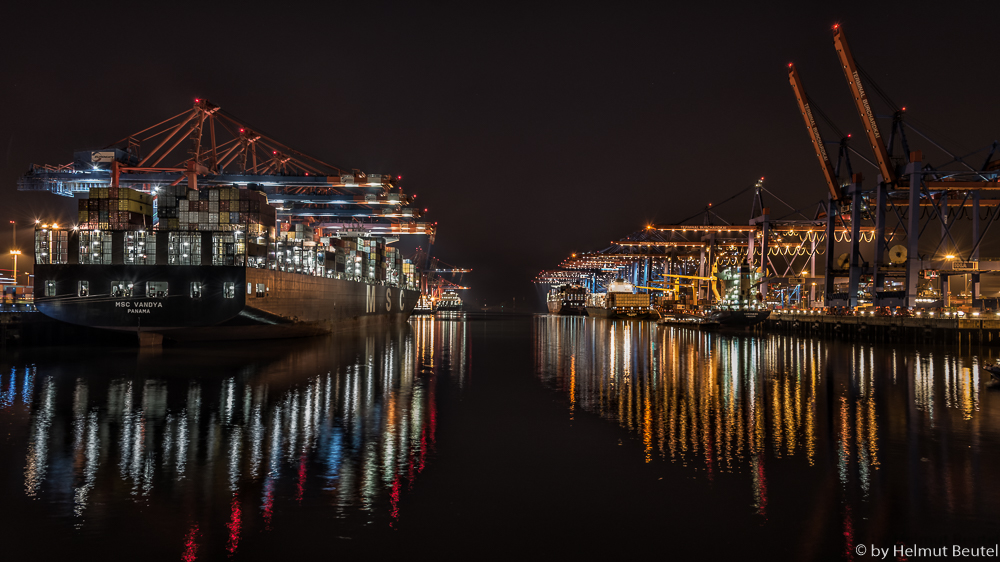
(372, 300)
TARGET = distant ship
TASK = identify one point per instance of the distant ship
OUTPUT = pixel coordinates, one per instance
(621, 301)
(567, 300)
(449, 302)
(425, 305)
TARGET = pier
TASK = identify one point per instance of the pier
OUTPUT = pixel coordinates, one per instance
(951, 328)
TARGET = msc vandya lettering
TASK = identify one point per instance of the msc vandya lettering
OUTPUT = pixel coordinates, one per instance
(139, 304)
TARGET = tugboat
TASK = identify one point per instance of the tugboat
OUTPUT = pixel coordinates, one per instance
(621, 301)
(567, 300)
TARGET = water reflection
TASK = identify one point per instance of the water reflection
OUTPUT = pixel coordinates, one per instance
(886, 424)
(345, 422)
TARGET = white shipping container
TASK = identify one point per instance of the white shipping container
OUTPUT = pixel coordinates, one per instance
(213, 206)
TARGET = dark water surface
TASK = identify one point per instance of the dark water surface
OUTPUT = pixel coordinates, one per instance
(543, 436)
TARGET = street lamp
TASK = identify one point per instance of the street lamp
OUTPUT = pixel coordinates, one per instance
(14, 254)
(13, 244)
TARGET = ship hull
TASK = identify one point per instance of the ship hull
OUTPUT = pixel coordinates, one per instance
(260, 304)
(619, 313)
(738, 318)
(564, 309)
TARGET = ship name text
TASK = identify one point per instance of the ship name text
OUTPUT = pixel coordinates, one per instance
(139, 304)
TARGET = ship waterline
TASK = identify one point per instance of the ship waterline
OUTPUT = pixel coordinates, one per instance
(222, 302)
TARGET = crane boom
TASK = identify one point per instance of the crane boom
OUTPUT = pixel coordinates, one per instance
(861, 103)
(817, 140)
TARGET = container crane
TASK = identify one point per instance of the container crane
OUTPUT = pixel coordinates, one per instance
(206, 145)
(832, 181)
(863, 106)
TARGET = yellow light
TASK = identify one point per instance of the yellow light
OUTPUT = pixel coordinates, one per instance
(950, 257)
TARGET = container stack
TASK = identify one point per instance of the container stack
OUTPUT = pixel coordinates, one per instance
(347, 254)
(410, 274)
(215, 209)
(297, 232)
(393, 264)
(115, 208)
(372, 253)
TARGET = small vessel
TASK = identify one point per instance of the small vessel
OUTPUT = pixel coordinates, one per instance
(621, 301)
(449, 302)
(993, 370)
(567, 300)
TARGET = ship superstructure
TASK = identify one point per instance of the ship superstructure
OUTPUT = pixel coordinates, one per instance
(567, 300)
(620, 301)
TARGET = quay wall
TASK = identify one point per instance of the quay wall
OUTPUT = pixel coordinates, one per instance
(981, 330)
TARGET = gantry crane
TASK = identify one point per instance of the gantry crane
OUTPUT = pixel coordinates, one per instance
(832, 181)
(850, 68)
(222, 149)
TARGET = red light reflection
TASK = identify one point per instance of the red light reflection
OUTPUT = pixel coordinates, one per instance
(234, 525)
(191, 544)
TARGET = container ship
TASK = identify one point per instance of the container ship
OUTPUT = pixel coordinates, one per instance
(567, 300)
(621, 301)
(213, 267)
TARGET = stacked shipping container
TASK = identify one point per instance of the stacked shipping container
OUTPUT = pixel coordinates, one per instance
(115, 208)
(230, 209)
(215, 209)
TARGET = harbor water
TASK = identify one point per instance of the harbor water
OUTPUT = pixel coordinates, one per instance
(476, 435)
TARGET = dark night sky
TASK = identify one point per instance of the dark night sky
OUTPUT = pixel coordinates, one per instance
(529, 133)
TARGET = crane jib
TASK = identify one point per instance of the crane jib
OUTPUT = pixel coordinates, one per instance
(868, 108)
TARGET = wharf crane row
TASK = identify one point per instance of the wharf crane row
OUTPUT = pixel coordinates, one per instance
(434, 281)
(208, 146)
(903, 186)
(880, 243)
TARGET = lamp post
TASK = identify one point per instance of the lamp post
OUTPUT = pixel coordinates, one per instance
(13, 244)
(14, 254)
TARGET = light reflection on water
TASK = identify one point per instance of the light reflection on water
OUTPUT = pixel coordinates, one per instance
(913, 428)
(344, 422)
